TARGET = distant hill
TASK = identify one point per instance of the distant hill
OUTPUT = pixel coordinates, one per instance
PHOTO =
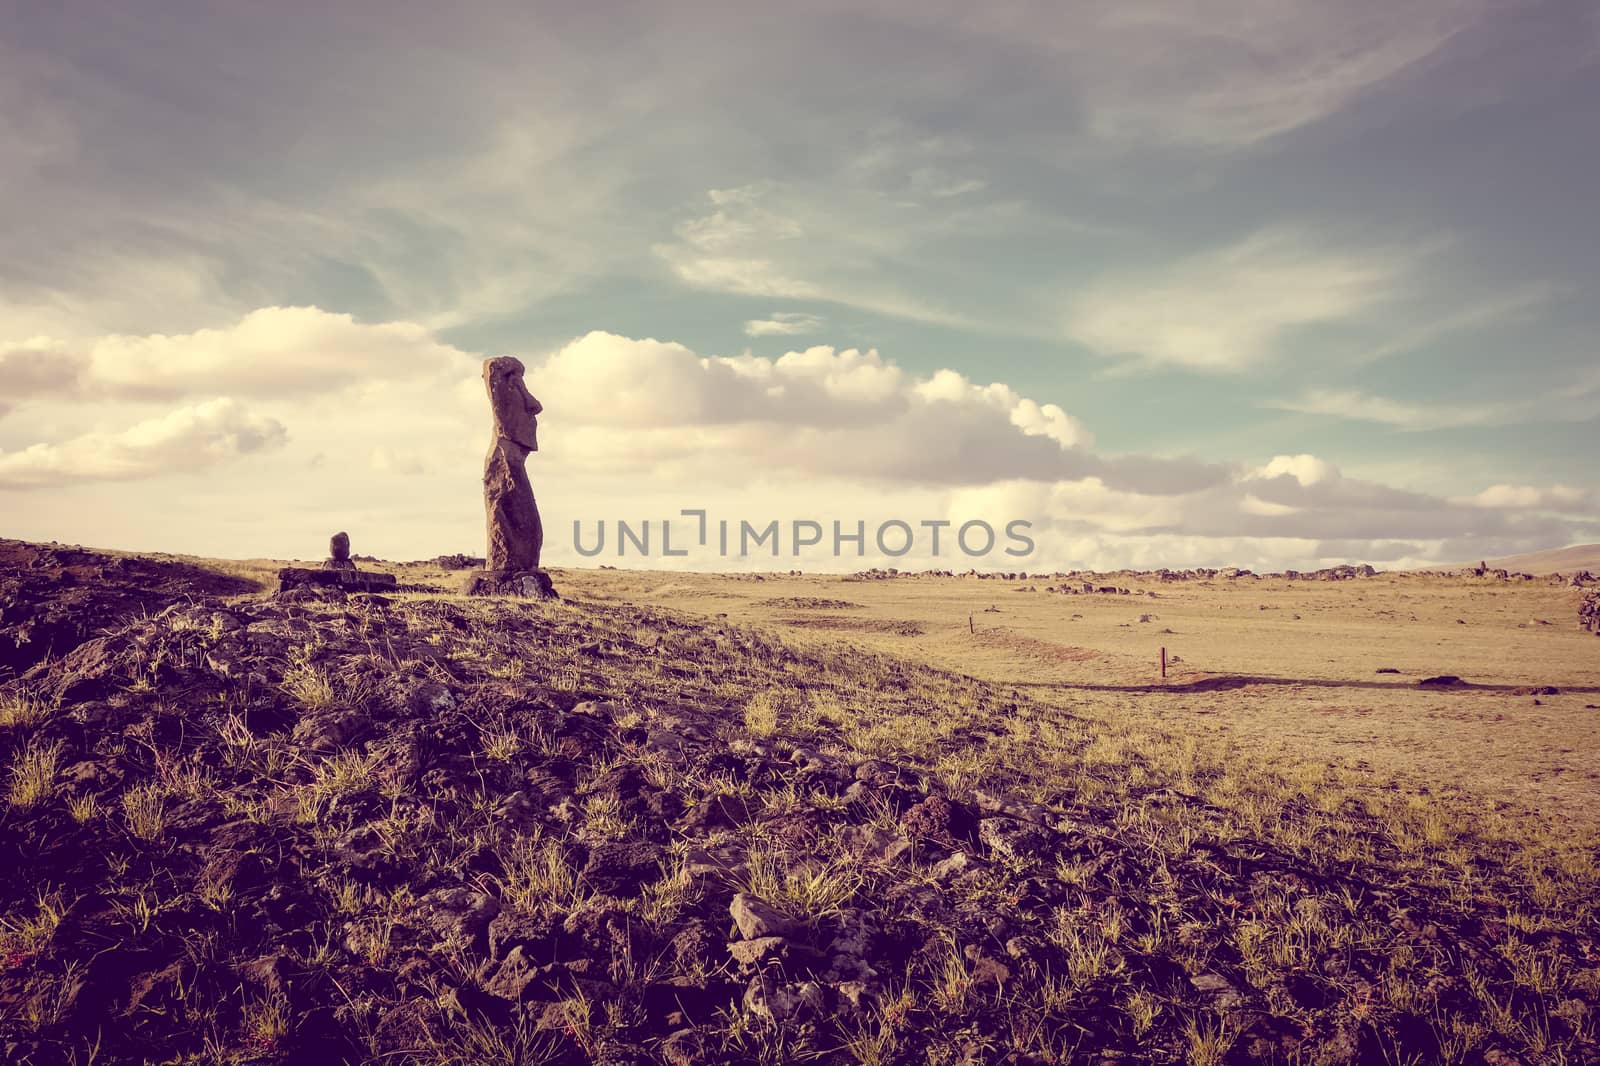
(1556, 560)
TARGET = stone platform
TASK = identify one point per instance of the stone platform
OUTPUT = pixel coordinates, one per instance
(529, 584)
(294, 577)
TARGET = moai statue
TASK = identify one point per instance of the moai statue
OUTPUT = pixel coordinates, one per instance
(516, 535)
(338, 553)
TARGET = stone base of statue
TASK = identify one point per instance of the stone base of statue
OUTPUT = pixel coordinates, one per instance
(351, 580)
(528, 584)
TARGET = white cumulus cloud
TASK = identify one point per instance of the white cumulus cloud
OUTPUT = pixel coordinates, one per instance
(381, 428)
(822, 410)
(36, 367)
(273, 351)
(188, 439)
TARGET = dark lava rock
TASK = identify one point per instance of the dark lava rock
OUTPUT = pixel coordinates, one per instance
(939, 820)
(1014, 839)
(684, 1048)
(786, 1003)
(54, 598)
(518, 928)
(622, 868)
(688, 1000)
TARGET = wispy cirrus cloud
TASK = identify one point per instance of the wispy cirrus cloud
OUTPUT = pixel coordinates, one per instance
(852, 240)
(1562, 498)
(1359, 406)
(783, 324)
(1216, 74)
(1228, 310)
(1496, 309)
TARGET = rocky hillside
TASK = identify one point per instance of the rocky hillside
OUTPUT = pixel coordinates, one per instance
(54, 597)
(315, 828)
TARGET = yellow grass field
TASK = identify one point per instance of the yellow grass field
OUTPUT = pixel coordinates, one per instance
(1289, 667)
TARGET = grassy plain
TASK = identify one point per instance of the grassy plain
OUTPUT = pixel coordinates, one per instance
(1273, 670)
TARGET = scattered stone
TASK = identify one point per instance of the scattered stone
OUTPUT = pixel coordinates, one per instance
(459, 561)
(622, 868)
(756, 920)
(1218, 990)
(1589, 612)
(330, 731)
(457, 912)
(1013, 839)
(785, 1003)
(937, 819)
(957, 864)
(854, 997)
(1024, 948)
(875, 844)
(1441, 681)
(683, 1048)
(985, 970)
(881, 774)
(683, 1001)
(722, 866)
(511, 929)
(519, 977)
(434, 729)
(992, 803)
(269, 973)
(857, 933)
(754, 952)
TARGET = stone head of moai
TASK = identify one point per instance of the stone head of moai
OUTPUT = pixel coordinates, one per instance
(339, 547)
(515, 410)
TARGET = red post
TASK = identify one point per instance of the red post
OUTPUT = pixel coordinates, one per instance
(1163, 664)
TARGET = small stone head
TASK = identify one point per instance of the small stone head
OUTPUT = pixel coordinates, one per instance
(514, 407)
(339, 547)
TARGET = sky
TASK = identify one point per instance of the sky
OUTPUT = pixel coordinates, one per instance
(1174, 282)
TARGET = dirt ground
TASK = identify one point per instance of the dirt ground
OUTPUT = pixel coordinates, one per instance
(1291, 667)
